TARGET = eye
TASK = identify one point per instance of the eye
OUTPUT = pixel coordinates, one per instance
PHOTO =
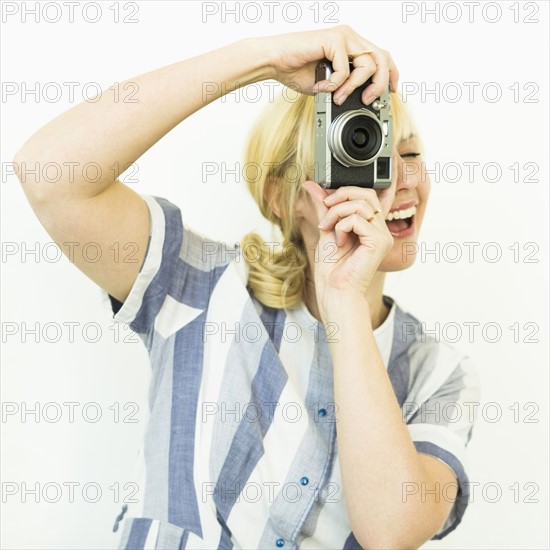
(409, 155)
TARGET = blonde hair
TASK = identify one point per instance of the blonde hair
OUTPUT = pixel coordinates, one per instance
(278, 159)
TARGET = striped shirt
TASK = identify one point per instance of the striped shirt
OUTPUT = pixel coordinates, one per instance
(240, 449)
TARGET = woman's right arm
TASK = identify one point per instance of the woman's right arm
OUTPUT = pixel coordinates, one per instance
(110, 134)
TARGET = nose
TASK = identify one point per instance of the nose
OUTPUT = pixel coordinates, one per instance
(405, 174)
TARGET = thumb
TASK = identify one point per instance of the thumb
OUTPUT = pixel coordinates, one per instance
(317, 194)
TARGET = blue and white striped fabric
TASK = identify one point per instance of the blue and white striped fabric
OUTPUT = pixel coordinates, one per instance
(240, 449)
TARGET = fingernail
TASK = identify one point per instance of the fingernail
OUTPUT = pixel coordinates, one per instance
(328, 200)
(340, 99)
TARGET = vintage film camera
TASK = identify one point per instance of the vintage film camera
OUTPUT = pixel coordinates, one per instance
(353, 141)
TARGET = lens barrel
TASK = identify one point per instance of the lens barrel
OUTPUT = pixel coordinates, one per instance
(355, 138)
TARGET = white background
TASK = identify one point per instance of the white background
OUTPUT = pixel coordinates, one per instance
(504, 212)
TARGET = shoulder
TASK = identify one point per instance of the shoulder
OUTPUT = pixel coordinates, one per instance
(181, 270)
(424, 362)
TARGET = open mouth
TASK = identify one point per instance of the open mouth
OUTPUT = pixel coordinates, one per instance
(401, 222)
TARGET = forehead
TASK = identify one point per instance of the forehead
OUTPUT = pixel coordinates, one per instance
(403, 124)
(403, 129)
(411, 139)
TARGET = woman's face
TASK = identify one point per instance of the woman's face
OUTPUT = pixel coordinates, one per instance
(403, 205)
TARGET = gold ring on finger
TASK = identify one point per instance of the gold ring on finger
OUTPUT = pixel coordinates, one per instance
(373, 215)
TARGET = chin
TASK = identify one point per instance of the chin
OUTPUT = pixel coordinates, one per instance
(405, 248)
(401, 256)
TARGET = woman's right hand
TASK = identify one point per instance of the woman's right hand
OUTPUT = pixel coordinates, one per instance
(294, 56)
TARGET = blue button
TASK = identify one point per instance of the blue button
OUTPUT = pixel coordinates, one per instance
(322, 412)
(119, 518)
(304, 480)
(280, 543)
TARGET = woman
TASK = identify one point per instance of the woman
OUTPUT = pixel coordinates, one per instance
(292, 404)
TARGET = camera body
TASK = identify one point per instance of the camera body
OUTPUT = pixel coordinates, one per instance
(353, 141)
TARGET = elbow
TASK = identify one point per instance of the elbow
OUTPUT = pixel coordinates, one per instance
(19, 158)
(19, 164)
(388, 543)
(384, 544)
(17, 161)
(28, 174)
(393, 538)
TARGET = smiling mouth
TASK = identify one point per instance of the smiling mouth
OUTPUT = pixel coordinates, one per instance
(401, 222)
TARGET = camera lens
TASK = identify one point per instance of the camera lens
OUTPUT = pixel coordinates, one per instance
(359, 137)
(355, 138)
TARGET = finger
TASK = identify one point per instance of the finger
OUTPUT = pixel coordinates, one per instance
(352, 224)
(340, 67)
(344, 209)
(324, 86)
(394, 74)
(358, 76)
(346, 194)
(380, 77)
(317, 194)
(352, 192)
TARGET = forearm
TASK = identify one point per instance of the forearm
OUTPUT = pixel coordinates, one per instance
(115, 134)
(377, 455)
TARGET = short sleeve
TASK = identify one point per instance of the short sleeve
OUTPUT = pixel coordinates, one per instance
(441, 413)
(174, 284)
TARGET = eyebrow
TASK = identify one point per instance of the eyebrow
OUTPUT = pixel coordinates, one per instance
(408, 138)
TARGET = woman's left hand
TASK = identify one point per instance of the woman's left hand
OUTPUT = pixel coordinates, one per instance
(350, 248)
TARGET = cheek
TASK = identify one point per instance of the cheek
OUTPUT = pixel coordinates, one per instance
(305, 212)
(424, 184)
(401, 256)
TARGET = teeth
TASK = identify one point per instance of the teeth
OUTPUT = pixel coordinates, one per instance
(401, 214)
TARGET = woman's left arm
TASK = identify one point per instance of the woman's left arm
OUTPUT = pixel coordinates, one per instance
(379, 463)
(396, 497)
